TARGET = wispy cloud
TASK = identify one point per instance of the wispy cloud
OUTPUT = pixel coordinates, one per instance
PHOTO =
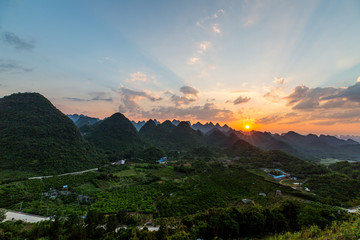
(95, 96)
(137, 76)
(216, 28)
(202, 48)
(193, 60)
(17, 42)
(211, 22)
(12, 67)
(275, 93)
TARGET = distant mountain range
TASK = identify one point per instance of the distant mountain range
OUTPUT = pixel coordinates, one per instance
(310, 147)
(35, 136)
(82, 120)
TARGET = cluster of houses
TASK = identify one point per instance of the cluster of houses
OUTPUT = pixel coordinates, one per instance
(54, 193)
(281, 174)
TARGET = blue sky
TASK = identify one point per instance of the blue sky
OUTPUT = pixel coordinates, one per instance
(277, 65)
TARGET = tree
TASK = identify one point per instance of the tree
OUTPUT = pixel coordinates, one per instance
(2, 214)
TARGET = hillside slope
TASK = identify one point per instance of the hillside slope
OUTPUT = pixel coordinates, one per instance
(35, 136)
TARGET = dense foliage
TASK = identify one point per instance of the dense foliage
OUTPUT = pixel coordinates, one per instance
(36, 137)
(116, 136)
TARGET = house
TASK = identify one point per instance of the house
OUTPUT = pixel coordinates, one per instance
(278, 192)
(119, 162)
(162, 160)
(278, 177)
(307, 189)
(246, 200)
(262, 194)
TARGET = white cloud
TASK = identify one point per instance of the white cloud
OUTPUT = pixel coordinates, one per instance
(216, 28)
(204, 45)
(279, 80)
(137, 76)
(193, 60)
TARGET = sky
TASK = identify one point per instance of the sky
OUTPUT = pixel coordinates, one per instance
(273, 65)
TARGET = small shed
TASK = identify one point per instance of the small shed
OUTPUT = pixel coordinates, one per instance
(278, 192)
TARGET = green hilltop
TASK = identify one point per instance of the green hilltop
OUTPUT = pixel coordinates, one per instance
(37, 137)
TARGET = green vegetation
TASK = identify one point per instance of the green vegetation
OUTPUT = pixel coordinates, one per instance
(36, 137)
(116, 136)
(336, 189)
(212, 187)
(338, 230)
(350, 169)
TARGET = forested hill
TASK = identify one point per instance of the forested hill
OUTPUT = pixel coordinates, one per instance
(35, 136)
(116, 136)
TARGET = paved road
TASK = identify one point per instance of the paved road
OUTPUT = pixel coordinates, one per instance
(14, 216)
(64, 174)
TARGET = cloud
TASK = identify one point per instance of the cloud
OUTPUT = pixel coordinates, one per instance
(351, 93)
(307, 99)
(95, 96)
(203, 46)
(130, 97)
(76, 99)
(275, 93)
(240, 100)
(137, 76)
(10, 66)
(190, 95)
(211, 23)
(279, 80)
(216, 28)
(17, 42)
(218, 14)
(100, 96)
(207, 112)
(276, 118)
(130, 105)
(193, 60)
(187, 90)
